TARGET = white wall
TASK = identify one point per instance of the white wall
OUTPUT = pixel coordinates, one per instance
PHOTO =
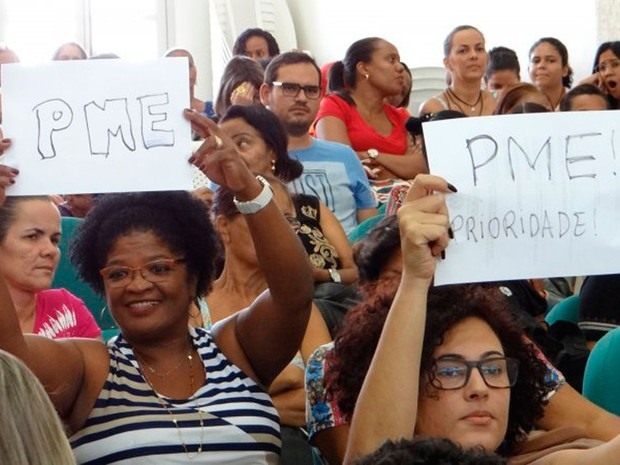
(188, 27)
(328, 27)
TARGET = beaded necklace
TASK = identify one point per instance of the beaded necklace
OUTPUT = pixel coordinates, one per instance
(168, 407)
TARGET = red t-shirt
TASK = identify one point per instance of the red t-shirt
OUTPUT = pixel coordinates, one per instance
(60, 314)
(363, 136)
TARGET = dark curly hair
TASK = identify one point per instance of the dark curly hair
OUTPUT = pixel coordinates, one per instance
(428, 451)
(447, 306)
(177, 218)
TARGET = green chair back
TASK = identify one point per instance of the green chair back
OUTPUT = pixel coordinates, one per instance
(601, 380)
(566, 310)
(67, 277)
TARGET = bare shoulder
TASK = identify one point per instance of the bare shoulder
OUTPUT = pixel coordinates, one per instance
(432, 105)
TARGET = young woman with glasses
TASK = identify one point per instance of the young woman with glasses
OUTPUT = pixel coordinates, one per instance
(355, 113)
(336, 372)
(450, 363)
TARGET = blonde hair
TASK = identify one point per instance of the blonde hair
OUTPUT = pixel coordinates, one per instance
(30, 431)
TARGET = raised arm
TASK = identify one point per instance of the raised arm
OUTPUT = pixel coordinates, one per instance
(387, 405)
(270, 331)
(58, 365)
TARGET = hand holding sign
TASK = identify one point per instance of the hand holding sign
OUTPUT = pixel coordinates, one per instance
(423, 221)
(78, 128)
(538, 194)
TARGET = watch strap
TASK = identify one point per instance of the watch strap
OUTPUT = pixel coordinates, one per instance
(259, 202)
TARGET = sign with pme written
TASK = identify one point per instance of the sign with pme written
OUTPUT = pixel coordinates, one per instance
(538, 194)
(93, 126)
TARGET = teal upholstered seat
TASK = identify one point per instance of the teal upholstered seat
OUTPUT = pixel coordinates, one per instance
(601, 381)
(66, 277)
(567, 310)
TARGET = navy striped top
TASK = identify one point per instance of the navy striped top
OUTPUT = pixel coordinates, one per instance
(129, 425)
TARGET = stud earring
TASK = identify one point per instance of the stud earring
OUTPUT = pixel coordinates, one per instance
(273, 166)
(366, 76)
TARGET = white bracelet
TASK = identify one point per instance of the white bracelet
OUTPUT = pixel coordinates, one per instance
(259, 202)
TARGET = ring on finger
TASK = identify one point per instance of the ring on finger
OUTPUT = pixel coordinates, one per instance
(218, 142)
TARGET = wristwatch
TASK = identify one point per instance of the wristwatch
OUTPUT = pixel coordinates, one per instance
(257, 203)
(372, 153)
(334, 275)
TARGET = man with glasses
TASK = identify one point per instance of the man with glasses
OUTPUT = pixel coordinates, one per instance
(332, 171)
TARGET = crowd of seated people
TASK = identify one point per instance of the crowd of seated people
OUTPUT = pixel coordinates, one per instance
(252, 331)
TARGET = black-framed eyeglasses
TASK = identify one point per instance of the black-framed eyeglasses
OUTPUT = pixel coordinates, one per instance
(608, 65)
(290, 89)
(157, 271)
(454, 373)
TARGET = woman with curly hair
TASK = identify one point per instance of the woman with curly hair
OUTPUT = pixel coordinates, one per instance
(450, 363)
(335, 372)
(162, 392)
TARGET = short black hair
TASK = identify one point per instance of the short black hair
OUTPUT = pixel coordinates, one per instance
(176, 217)
(239, 45)
(500, 59)
(428, 451)
(583, 89)
(288, 58)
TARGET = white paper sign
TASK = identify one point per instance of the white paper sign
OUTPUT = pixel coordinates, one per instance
(93, 126)
(539, 194)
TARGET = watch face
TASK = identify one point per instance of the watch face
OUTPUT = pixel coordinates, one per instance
(334, 275)
(373, 153)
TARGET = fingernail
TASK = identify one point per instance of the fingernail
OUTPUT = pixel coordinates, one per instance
(14, 171)
(452, 188)
(11, 181)
(192, 159)
(6, 140)
(443, 254)
(450, 233)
